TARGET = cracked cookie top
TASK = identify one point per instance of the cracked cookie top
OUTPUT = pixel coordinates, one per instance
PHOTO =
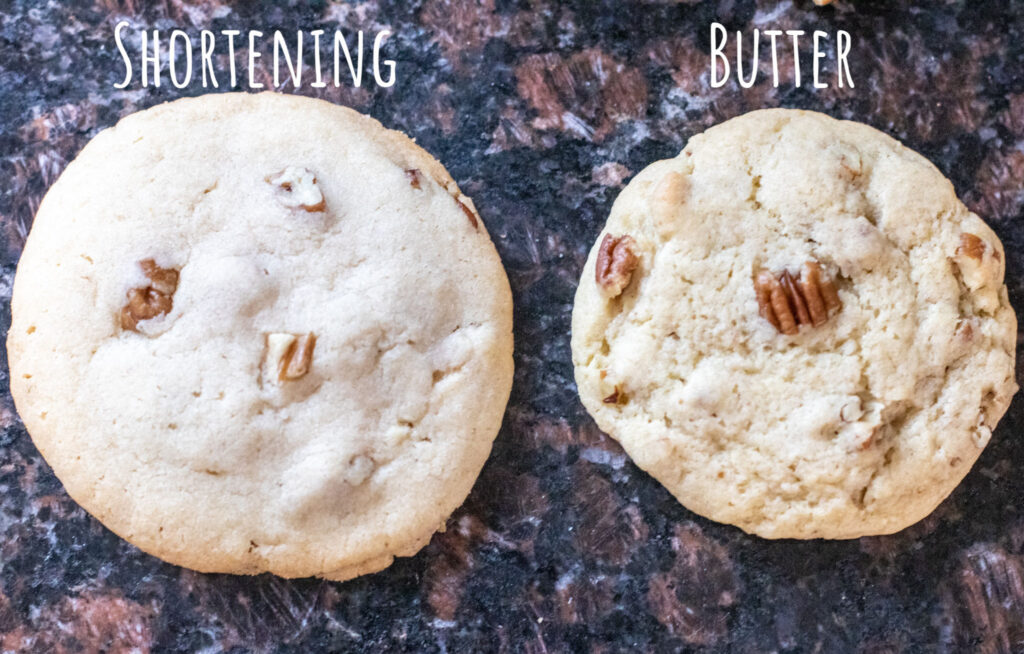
(814, 339)
(261, 333)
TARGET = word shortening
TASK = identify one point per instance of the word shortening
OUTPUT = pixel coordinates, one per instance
(820, 46)
(158, 52)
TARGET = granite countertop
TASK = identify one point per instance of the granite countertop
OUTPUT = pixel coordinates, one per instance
(542, 110)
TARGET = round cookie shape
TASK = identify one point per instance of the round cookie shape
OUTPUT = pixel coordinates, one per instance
(797, 328)
(261, 333)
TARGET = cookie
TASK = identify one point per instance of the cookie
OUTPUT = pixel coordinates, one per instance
(797, 328)
(261, 333)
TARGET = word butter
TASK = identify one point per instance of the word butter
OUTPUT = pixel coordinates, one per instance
(720, 60)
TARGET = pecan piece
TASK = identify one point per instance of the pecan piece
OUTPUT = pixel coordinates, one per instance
(796, 299)
(819, 292)
(616, 396)
(980, 269)
(772, 303)
(469, 213)
(413, 175)
(787, 302)
(288, 356)
(971, 246)
(667, 201)
(299, 189)
(153, 300)
(615, 264)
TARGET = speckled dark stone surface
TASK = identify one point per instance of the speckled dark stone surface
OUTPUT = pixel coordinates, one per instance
(541, 110)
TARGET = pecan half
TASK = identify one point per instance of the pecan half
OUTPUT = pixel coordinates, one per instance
(788, 303)
(615, 264)
(153, 300)
(299, 189)
(288, 356)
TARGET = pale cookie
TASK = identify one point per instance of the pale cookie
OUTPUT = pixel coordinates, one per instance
(797, 328)
(262, 333)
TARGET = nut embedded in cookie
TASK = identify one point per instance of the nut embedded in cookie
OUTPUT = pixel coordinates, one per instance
(971, 246)
(819, 292)
(288, 356)
(152, 301)
(616, 396)
(668, 197)
(980, 269)
(469, 213)
(414, 176)
(615, 264)
(299, 189)
(788, 303)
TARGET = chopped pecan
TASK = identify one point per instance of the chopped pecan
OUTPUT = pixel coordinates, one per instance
(301, 357)
(152, 300)
(667, 201)
(413, 175)
(788, 303)
(971, 246)
(164, 280)
(299, 189)
(980, 269)
(616, 397)
(469, 213)
(288, 356)
(615, 264)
